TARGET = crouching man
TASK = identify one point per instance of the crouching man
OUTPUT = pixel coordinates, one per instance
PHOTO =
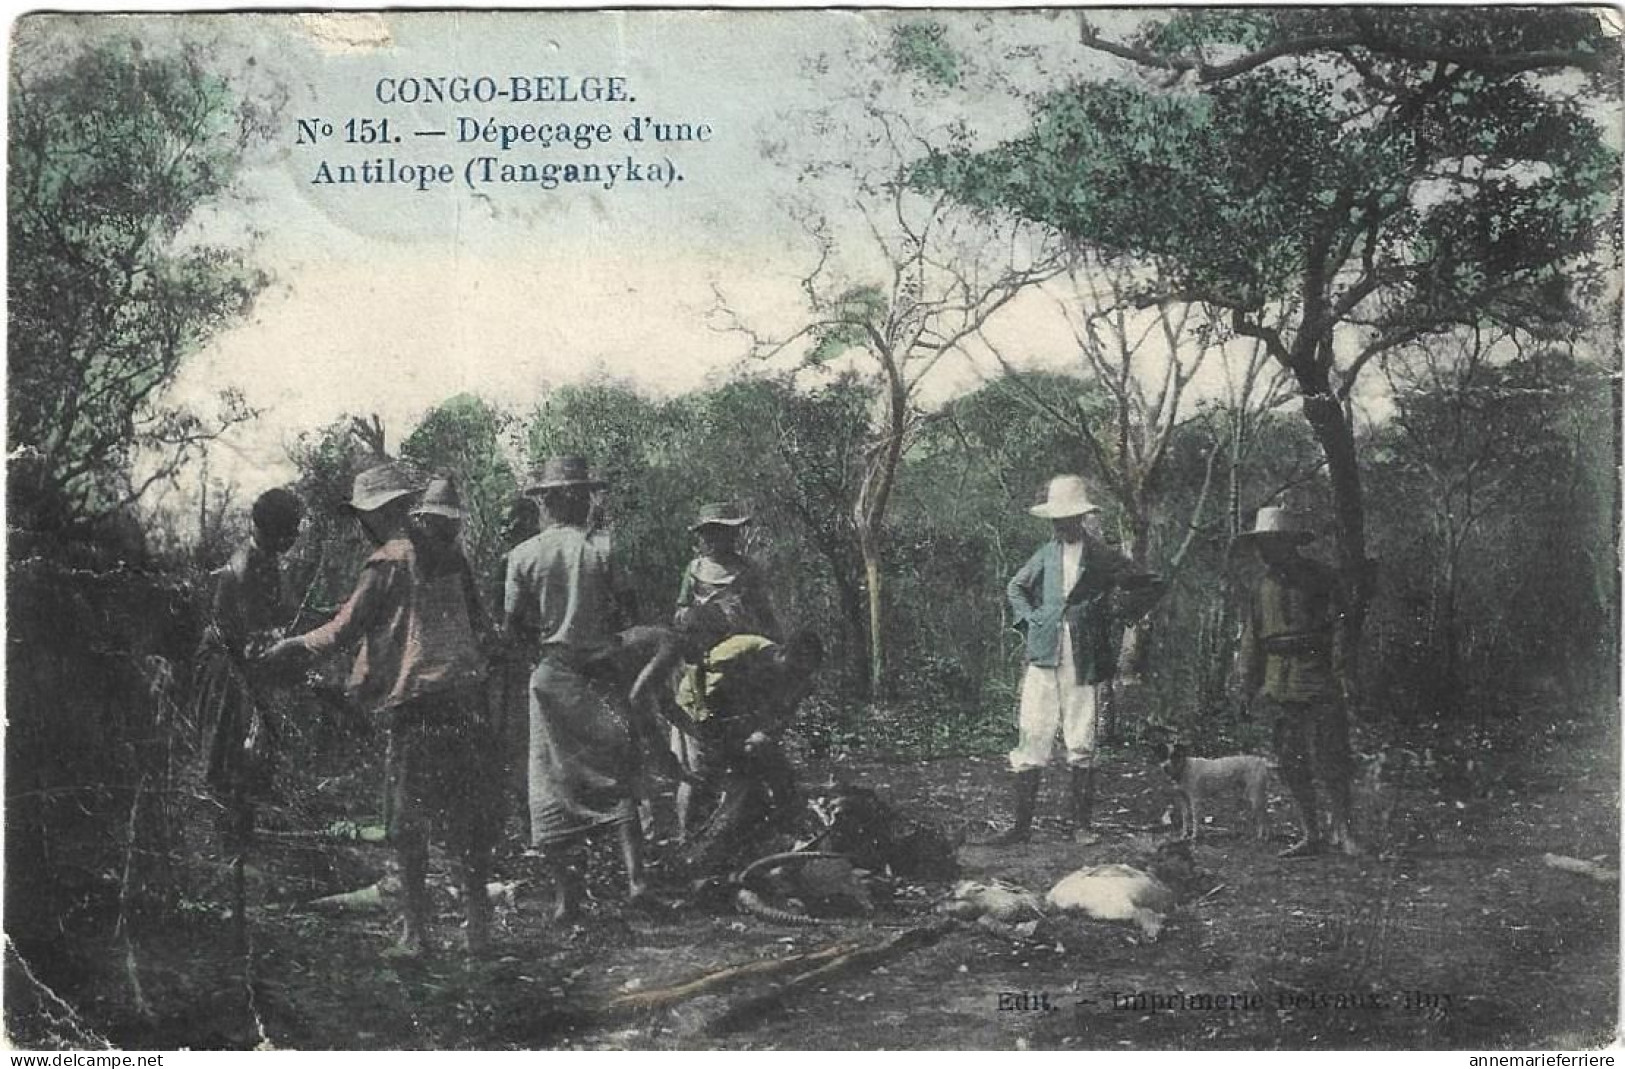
(731, 705)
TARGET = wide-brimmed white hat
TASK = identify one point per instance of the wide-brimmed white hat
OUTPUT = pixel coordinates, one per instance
(1067, 496)
(1277, 521)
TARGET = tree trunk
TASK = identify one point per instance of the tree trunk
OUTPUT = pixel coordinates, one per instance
(1454, 687)
(1335, 434)
(877, 645)
(1220, 666)
(1134, 655)
(871, 517)
(857, 633)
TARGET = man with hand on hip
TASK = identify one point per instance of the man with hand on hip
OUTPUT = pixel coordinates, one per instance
(1068, 601)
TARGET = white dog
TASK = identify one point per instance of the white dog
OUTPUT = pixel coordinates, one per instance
(1198, 779)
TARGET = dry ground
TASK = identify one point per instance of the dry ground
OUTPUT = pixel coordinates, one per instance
(1463, 939)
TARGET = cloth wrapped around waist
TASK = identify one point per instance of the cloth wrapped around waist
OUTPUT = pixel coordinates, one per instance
(1298, 642)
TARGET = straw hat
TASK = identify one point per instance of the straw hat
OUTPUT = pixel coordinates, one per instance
(557, 473)
(1066, 496)
(1275, 521)
(383, 483)
(721, 514)
(440, 498)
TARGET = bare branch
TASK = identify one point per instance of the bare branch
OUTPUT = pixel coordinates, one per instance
(1340, 42)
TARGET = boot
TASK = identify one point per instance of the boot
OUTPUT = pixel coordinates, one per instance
(1301, 785)
(1081, 794)
(1026, 797)
(1342, 835)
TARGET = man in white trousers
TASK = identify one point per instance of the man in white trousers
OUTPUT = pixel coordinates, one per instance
(1069, 600)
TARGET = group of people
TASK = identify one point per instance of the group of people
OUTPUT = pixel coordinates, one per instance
(424, 647)
(1075, 593)
(598, 691)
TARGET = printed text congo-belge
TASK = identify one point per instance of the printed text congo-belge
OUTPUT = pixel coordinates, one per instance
(514, 89)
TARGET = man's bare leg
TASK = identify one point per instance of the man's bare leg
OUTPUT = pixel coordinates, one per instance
(637, 890)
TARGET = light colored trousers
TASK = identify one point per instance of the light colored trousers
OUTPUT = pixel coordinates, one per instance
(1052, 700)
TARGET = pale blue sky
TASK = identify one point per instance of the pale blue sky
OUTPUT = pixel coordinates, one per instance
(390, 300)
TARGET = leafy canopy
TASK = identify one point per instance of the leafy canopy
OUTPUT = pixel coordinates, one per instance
(113, 154)
(1407, 195)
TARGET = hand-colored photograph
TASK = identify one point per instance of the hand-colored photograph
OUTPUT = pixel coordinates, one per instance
(911, 529)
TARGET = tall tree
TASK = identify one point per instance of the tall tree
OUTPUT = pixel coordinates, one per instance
(919, 283)
(113, 155)
(1406, 191)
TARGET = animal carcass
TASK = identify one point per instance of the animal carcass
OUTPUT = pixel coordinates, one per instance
(998, 899)
(1115, 893)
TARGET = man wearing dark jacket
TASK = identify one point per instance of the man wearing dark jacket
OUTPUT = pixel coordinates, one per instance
(1065, 600)
(1286, 670)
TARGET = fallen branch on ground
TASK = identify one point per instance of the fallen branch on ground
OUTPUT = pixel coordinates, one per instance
(861, 957)
(658, 998)
(661, 997)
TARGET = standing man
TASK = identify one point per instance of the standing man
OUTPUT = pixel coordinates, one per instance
(1286, 667)
(1063, 601)
(418, 666)
(724, 592)
(583, 754)
(724, 607)
(510, 677)
(249, 607)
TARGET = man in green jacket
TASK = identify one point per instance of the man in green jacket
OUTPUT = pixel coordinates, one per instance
(1066, 600)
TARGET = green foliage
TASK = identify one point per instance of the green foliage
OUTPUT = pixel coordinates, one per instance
(1459, 194)
(629, 441)
(921, 48)
(1009, 431)
(1366, 39)
(792, 456)
(463, 438)
(796, 456)
(113, 154)
(853, 321)
(327, 557)
(1493, 493)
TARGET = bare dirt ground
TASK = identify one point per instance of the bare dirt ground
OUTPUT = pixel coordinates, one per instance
(1463, 938)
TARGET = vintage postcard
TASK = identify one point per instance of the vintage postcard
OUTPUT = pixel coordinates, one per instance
(914, 529)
